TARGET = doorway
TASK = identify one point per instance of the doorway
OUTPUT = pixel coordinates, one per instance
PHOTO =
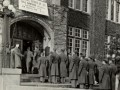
(26, 33)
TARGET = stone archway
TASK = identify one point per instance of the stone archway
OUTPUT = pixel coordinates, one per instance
(49, 34)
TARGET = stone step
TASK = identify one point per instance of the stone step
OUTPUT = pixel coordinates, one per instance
(45, 84)
(39, 88)
(66, 85)
(33, 78)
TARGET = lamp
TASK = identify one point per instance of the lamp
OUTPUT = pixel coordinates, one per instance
(7, 11)
(6, 3)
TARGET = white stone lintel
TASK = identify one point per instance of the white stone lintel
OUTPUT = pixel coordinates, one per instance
(10, 71)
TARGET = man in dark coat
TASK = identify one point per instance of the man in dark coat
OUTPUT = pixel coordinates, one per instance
(97, 69)
(54, 61)
(73, 69)
(113, 71)
(91, 70)
(83, 72)
(104, 76)
(63, 66)
(42, 67)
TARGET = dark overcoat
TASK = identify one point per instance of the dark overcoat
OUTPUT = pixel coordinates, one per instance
(54, 61)
(16, 57)
(73, 68)
(83, 72)
(42, 66)
(104, 77)
(113, 70)
(91, 72)
(63, 65)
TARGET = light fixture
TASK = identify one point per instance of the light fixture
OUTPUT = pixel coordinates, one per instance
(10, 7)
(6, 3)
(113, 56)
(107, 55)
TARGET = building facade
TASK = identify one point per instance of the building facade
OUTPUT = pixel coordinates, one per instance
(82, 25)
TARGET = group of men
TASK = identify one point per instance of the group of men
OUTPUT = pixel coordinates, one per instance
(83, 72)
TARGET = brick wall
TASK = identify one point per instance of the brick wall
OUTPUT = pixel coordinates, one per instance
(60, 26)
(112, 28)
(78, 19)
(97, 29)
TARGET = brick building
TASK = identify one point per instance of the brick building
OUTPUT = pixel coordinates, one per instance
(82, 25)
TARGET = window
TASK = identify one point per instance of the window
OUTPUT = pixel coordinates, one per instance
(108, 39)
(70, 31)
(113, 10)
(77, 45)
(70, 44)
(78, 4)
(85, 2)
(71, 3)
(81, 5)
(85, 34)
(78, 40)
(84, 46)
(77, 32)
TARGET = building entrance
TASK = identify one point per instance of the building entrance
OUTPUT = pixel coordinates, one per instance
(27, 34)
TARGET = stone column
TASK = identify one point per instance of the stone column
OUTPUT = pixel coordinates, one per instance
(1, 45)
(115, 11)
(109, 10)
(89, 6)
(119, 15)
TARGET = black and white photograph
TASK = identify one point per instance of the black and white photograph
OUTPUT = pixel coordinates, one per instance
(59, 44)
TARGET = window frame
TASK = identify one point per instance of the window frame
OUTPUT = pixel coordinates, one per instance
(81, 6)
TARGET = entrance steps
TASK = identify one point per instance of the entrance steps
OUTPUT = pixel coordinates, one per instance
(32, 80)
(38, 84)
(40, 88)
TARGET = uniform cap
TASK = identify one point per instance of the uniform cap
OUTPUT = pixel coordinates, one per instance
(54, 49)
(63, 49)
(75, 51)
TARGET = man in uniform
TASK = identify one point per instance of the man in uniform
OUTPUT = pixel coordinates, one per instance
(104, 76)
(91, 70)
(54, 61)
(42, 67)
(29, 56)
(16, 57)
(113, 71)
(73, 69)
(63, 66)
(83, 72)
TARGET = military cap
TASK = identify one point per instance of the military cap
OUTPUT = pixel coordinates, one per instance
(62, 49)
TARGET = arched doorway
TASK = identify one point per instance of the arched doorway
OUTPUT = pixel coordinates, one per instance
(28, 31)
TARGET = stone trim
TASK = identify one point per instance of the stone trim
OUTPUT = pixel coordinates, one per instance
(47, 28)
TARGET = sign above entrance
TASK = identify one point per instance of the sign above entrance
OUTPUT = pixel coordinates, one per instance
(35, 6)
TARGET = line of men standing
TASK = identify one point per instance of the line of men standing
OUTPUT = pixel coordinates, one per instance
(82, 71)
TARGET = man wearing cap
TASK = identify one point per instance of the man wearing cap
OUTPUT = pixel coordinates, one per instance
(98, 67)
(73, 69)
(16, 57)
(63, 66)
(91, 70)
(83, 72)
(54, 60)
(113, 71)
(104, 76)
(42, 67)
